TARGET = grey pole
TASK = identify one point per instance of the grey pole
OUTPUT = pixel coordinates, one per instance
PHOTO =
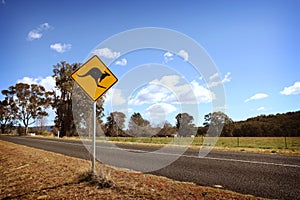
(94, 140)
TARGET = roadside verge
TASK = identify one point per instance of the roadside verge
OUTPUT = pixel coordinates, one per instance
(28, 173)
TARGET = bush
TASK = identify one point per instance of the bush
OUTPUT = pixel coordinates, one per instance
(46, 133)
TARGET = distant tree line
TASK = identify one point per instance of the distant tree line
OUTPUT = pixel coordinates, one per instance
(27, 104)
(215, 123)
(286, 124)
(269, 125)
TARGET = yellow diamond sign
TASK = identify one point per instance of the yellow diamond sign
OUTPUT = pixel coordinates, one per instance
(94, 78)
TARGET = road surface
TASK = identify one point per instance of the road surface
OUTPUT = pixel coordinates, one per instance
(269, 176)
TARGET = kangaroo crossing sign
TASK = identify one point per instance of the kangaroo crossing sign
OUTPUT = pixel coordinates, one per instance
(94, 78)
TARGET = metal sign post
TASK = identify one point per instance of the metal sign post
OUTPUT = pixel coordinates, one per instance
(94, 139)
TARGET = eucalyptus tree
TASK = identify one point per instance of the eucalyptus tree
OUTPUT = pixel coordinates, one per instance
(62, 101)
(115, 124)
(185, 125)
(30, 102)
(138, 126)
(220, 123)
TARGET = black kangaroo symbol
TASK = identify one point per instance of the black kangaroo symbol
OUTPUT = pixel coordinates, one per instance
(97, 75)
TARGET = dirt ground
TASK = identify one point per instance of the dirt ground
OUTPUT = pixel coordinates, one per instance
(28, 173)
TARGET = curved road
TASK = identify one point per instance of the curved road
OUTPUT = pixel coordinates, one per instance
(269, 176)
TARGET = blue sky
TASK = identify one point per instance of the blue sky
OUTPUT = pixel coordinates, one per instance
(254, 44)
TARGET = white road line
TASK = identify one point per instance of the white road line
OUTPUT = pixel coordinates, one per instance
(173, 154)
(50, 141)
(249, 161)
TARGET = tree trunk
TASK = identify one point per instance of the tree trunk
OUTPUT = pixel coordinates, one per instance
(26, 129)
(2, 129)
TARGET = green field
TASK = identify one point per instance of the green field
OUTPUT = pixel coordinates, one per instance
(273, 144)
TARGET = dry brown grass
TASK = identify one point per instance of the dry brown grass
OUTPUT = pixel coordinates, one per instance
(28, 173)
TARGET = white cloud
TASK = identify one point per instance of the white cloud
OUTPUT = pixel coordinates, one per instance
(45, 26)
(3, 2)
(184, 55)
(122, 62)
(215, 75)
(48, 82)
(261, 108)
(212, 83)
(294, 89)
(169, 90)
(32, 35)
(168, 56)
(152, 93)
(61, 48)
(107, 53)
(227, 77)
(28, 80)
(127, 111)
(114, 96)
(160, 110)
(169, 80)
(38, 32)
(202, 94)
(257, 96)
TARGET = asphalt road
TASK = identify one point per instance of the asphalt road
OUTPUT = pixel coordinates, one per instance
(269, 176)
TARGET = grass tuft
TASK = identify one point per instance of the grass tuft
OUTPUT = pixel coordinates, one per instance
(95, 180)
